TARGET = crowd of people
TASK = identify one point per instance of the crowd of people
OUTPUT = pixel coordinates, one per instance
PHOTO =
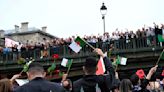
(90, 82)
(120, 40)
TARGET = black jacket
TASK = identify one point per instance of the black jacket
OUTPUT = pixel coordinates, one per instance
(91, 83)
(40, 85)
(142, 87)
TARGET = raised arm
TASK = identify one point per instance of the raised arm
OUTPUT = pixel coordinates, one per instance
(151, 72)
(107, 62)
(109, 79)
(15, 77)
(145, 82)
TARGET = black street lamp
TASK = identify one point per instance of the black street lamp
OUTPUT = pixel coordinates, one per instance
(103, 11)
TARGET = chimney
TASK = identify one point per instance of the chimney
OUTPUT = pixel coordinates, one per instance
(2, 32)
(16, 28)
(24, 26)
(44, 29)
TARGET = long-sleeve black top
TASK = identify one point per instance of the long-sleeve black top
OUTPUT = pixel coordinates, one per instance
(94, 83)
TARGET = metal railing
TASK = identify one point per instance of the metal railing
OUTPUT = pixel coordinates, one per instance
(64, 50)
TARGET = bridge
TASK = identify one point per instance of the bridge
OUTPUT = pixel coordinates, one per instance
(140, 54)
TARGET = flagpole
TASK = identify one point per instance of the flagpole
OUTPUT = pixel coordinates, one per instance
(69, 68)
(23, 67)
(159, 57)
(88, 44)
(116, 68)
(21, 72)
(116, 65)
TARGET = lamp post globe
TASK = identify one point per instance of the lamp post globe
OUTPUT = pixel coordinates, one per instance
(103, 11)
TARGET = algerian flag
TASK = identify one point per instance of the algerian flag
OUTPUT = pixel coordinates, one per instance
(25, 67)
(52, 67)
(121, 60)
(118, 60)
(160, 38)
(61, 73)
(66, 62)
(80, 41)
(100, 67)
(77, 45)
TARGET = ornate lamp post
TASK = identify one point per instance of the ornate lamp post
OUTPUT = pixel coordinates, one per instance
(103, 11)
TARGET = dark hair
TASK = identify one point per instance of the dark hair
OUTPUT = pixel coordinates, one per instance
(134, 79)
(35, 67)
(90, 64)
(69, 86)
(125, 85)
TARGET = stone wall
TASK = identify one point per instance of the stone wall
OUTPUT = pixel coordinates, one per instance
(35, 37)
(41, 36)
(2, 42)
(23, 38)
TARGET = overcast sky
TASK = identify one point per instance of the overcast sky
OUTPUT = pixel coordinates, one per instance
(65, 18)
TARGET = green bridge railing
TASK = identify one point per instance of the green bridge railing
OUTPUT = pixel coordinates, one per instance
(119, 46)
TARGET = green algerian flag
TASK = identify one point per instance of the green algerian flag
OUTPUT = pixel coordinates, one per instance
(114, 63)
(123, 61)
(160, 38)
(66, 62)
(120, 60)
(77, 45)
(69, 63)
(25, 67)
(61, 73)
(52, 67)
(80, 41)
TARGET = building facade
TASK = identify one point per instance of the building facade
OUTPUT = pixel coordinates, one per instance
(2, 42)
(25, 34)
